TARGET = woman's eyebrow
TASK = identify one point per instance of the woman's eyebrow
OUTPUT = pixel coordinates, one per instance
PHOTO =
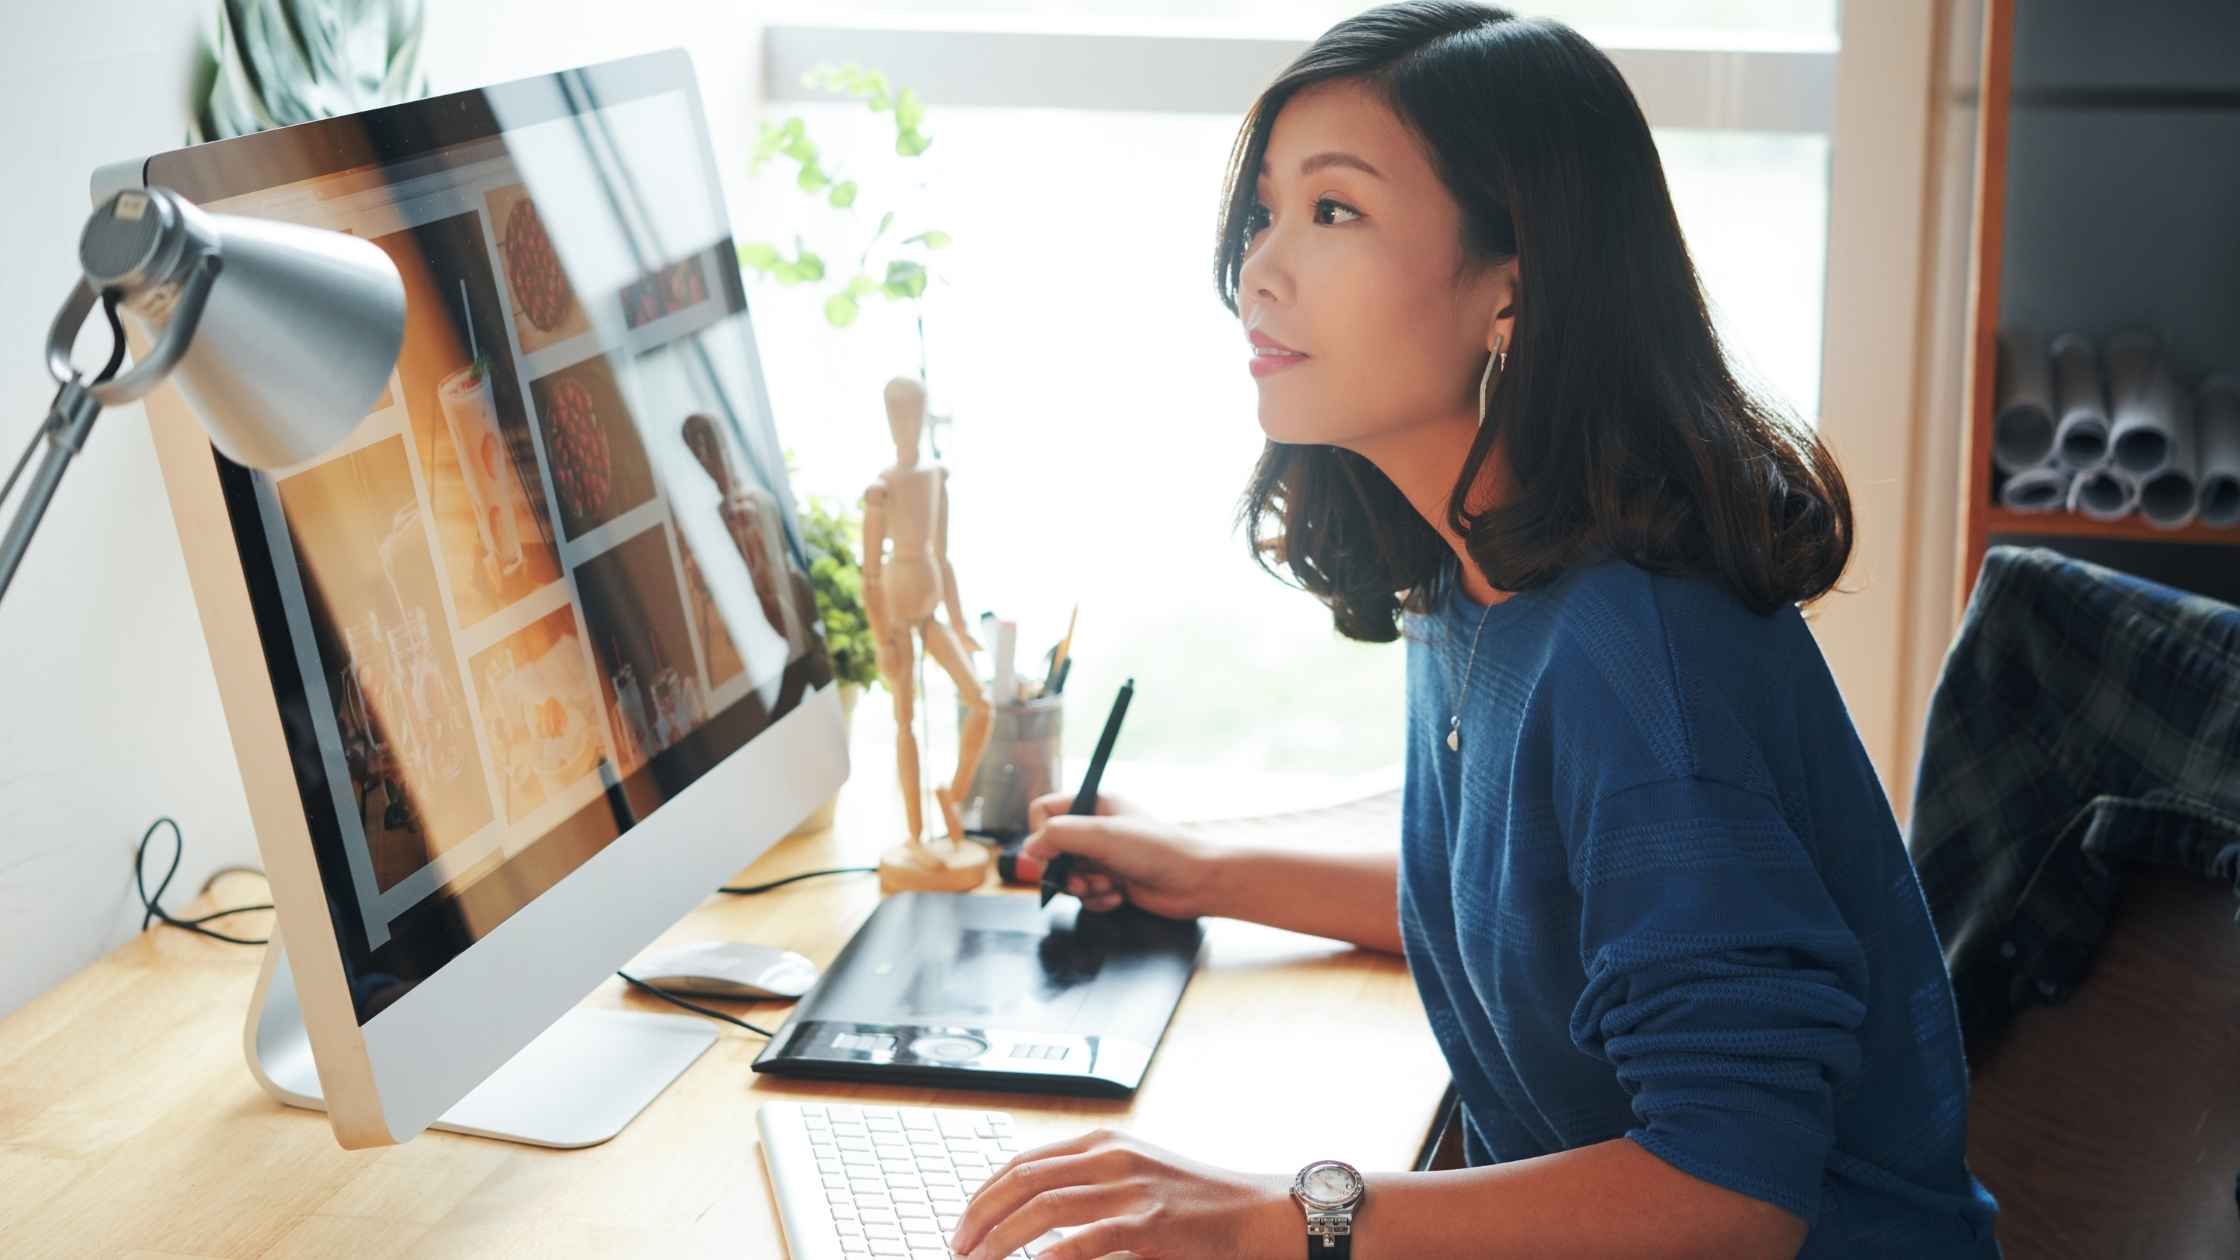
(1320, 160)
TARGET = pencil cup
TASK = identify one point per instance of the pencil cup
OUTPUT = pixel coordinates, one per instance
(1021, 762)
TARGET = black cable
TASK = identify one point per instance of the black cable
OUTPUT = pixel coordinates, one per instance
(116, 338)
(151, 903)
(748, 890)
(692, 1006)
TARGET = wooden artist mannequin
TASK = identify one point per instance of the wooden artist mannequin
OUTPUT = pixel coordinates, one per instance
(908, 506)
(751, 516)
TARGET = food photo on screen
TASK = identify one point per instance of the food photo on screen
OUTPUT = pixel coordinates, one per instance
(469, 422)
(598, 462)
(641, 644)
(386, 656)
(541, 712)
(546, 310)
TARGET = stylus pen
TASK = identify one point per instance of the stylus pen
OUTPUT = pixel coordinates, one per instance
(1085, 800)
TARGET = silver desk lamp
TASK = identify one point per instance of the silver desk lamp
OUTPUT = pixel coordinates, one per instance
(281, 336)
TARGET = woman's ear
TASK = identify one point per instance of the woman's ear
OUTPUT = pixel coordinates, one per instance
(1504, 325)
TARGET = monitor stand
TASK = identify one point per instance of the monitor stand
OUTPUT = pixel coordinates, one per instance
(577, 1084)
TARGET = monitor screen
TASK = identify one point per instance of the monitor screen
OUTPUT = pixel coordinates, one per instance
(556, 576)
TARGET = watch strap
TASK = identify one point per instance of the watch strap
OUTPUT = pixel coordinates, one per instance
(1329, 1246)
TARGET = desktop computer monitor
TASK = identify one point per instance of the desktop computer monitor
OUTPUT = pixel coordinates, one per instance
(525, 669)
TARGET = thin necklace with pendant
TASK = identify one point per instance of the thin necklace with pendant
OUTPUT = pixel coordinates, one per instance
(1454, 724)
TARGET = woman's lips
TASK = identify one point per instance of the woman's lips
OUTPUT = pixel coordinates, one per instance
(1266, 361)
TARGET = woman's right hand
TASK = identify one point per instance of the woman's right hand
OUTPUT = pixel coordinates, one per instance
(1121, 854)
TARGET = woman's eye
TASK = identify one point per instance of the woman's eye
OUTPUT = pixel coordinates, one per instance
(1338, 205)
(1257, 218)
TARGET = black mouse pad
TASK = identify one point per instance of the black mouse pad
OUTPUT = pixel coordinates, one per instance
(993, 992)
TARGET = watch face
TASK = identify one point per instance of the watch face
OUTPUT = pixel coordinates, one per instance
(1330, 1183)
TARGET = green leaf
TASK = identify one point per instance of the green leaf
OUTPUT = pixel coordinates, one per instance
(812, 178)
(911, 143)
(840, 310)
(905, 280)
(765, 145)
(758, 255)
(810, 266)
(787, 274)
(861, 285)
(909, 111)
(931, 239)
(843, 194)
(885, 221)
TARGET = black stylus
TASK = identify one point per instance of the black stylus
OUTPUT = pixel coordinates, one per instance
(1085, 800)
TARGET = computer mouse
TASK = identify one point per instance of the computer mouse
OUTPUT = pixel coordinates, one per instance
(726, 969)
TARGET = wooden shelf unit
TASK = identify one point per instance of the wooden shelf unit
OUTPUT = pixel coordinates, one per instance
(2098, 102)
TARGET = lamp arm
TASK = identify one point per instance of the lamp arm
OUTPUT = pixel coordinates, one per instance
(68, 421)
(77, 403)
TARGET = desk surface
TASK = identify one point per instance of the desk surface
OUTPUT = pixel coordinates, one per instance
(129, 1125)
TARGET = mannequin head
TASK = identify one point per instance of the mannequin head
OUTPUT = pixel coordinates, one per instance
(706, 444)
(906, 414)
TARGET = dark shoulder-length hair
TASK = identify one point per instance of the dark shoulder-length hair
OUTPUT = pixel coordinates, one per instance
(1624, 430)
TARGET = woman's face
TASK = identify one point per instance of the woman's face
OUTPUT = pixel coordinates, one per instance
(1356, 269)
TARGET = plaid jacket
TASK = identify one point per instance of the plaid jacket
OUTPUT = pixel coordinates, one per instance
(2085, 719)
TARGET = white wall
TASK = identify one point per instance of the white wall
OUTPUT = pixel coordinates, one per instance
(109, 715)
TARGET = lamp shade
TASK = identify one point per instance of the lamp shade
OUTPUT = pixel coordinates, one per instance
(283, 336)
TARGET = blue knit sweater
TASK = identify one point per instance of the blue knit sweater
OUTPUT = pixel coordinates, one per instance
(1658, 894)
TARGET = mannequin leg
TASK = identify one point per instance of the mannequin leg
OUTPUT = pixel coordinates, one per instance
(942, 644)
(903, 688)
(948, 863)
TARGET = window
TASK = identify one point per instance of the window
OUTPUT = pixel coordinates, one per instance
(1104, 423)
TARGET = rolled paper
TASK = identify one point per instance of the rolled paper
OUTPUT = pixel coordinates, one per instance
(2217, 432)
(2106, 493)
(2169, 495)
(2044, 488)
(2143, 402)
(2022, 425)
(2080, 435)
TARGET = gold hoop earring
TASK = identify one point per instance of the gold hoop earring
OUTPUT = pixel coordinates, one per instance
(1498, 359)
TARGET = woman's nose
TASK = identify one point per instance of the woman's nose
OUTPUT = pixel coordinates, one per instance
(1261, 277)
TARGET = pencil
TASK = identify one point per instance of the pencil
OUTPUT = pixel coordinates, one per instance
(1085, 801)
(1063, 651)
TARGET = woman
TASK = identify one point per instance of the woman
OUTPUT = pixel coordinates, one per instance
(1649, 887)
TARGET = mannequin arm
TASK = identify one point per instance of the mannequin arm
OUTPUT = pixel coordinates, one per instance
(875, 561)
(949, 572)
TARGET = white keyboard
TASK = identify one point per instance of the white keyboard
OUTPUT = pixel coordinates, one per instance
(880, 1181)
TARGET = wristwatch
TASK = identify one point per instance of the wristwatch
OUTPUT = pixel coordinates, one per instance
(1329, 1191)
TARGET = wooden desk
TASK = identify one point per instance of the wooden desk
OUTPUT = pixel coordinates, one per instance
(129, 1125)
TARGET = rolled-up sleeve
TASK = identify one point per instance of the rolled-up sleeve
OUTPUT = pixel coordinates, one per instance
(1722, 983)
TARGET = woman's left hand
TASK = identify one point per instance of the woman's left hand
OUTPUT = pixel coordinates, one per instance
(1121, 1196)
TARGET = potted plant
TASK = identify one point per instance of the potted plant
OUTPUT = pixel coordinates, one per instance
(831, 536)
(906, 273)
